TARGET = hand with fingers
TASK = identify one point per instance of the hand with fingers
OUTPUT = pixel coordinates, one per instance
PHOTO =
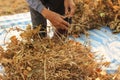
(69, 7)
(56, 19)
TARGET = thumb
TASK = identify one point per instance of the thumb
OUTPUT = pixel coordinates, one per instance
(66, 11)
(63, 17)
(72, 11)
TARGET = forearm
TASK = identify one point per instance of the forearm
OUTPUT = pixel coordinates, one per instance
(46, 13)
(36, 5)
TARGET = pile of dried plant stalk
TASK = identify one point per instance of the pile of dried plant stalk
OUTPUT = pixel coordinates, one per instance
(34, 58)
(95, 14)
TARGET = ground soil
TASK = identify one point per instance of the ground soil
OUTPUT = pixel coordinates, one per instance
(9, 7)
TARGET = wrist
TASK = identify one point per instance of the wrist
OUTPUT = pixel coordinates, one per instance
(45, 12)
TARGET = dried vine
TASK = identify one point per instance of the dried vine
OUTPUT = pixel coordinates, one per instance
(34, 58)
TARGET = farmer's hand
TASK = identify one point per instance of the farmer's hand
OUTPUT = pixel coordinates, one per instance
(69, 7)
(56, 19)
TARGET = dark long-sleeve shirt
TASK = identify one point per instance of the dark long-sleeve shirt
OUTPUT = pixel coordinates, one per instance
(36, 5)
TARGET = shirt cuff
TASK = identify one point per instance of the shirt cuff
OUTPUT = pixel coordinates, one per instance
(39, 8)
(36, 5)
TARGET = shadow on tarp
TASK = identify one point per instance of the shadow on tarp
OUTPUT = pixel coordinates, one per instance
(102, 42)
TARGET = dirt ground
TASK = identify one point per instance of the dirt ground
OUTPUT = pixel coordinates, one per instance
(8, 7)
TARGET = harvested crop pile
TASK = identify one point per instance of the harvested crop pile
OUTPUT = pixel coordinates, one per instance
(34, 58)
(96, 13)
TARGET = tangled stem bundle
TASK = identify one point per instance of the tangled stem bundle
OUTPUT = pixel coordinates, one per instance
(95, 14)
(34, 58)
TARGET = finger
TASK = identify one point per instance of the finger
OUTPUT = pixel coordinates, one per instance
(66, 23)
(64, 27)
(66, 11)
(63, 17)
(72, 11)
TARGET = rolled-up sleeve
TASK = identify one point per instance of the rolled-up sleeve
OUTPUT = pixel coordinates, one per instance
(36, 5)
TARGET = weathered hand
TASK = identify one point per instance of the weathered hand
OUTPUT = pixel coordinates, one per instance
(56, 19)
(69, 7)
